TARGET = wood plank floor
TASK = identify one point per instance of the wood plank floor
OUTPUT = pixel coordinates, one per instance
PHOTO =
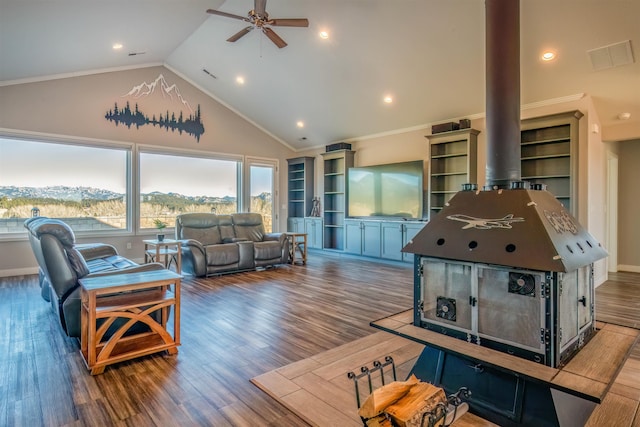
(234, 328)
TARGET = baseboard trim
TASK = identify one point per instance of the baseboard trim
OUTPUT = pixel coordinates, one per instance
(629, 268)
(19, 272)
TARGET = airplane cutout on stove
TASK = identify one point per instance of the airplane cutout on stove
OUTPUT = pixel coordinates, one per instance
(485, 223)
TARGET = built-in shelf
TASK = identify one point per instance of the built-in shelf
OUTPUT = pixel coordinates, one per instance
(452, 163)
(336, 169)
(549, 154)
(300, 188)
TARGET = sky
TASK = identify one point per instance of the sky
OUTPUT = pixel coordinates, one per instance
(33, 164)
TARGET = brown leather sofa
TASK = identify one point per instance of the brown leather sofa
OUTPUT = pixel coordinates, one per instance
(215, 244)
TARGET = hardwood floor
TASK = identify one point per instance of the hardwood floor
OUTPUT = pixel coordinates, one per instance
(233, 328)
(619, 301)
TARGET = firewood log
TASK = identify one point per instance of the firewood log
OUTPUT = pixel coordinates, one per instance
(422, 397)
(383, 396)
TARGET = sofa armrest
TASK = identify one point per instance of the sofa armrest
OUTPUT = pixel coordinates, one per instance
(153, 266)
(193, 245)
(91, 251)
(194, 257)
(278, 237)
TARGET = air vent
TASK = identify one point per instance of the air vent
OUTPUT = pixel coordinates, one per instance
(613, 55)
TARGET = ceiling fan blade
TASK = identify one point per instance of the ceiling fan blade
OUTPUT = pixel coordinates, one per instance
(239, 34)
(274, 37)
(297, 22)
(260, 7)
(228, 15)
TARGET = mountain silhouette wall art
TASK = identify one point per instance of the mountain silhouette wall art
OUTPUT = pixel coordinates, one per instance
(164, 98)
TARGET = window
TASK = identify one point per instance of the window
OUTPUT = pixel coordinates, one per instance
(82, 185)
(97, 189)
(261, 190)
(172, 183)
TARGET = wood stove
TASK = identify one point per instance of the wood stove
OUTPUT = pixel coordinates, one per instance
(509, 270)
(507, 267)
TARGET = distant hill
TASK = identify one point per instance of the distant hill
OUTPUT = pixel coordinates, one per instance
(78, 194)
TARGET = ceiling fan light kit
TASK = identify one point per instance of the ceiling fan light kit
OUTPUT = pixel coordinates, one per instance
(259, 18)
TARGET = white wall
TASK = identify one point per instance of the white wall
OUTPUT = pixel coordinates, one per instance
(629, 206)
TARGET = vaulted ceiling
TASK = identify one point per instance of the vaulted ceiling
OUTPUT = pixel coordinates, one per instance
(428, 55)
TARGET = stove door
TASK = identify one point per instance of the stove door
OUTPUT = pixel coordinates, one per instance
(446, 293)
(576, 304)
(511, 307)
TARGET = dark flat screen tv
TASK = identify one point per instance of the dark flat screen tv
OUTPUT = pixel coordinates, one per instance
(391, 190)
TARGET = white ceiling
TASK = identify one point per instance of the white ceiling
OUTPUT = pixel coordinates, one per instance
(428, 54)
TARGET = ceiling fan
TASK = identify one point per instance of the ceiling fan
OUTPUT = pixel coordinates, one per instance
(259, 18)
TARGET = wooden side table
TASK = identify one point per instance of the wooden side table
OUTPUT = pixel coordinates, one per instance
(133, 296)
(168, 250)
(297, 244)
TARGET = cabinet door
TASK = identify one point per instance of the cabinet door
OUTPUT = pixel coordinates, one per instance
(371, 238)
(410, 230)
(353, 236)
(391, 233)
(313, 228)
(295, 225)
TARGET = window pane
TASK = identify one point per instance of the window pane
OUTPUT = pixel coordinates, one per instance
(83, 186)
(172, 184)
(261, 187)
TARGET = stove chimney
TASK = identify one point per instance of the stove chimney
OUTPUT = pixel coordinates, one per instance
(502, 39)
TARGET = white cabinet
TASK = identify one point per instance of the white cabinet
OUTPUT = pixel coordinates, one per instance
(395, 235)
(295, 225)
(313, 228)
(362, 237)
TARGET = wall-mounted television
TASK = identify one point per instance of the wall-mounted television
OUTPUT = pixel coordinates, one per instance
(391, 190)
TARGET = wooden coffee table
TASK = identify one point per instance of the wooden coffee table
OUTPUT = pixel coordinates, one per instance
(133, 296)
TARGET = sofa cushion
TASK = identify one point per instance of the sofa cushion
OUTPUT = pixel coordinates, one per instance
(267, 250)
(249, 226)
(199, 226)
(223, 254)
(206, 236)
(227, 231)
(110, 263)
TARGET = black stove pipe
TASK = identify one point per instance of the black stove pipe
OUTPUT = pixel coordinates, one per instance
(502, 42)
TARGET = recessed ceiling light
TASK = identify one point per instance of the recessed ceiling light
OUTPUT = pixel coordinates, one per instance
(117, 46)
(300, 124)
(624, 116)
(240, 80)
(548, 55)
(323, 34)
(388, 99)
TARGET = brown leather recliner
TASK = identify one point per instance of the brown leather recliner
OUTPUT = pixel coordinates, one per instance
(62, 263)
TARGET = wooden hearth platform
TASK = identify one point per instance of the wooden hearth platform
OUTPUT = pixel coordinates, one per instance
(318, 391)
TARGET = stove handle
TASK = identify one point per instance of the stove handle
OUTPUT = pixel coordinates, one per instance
(478, 368)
